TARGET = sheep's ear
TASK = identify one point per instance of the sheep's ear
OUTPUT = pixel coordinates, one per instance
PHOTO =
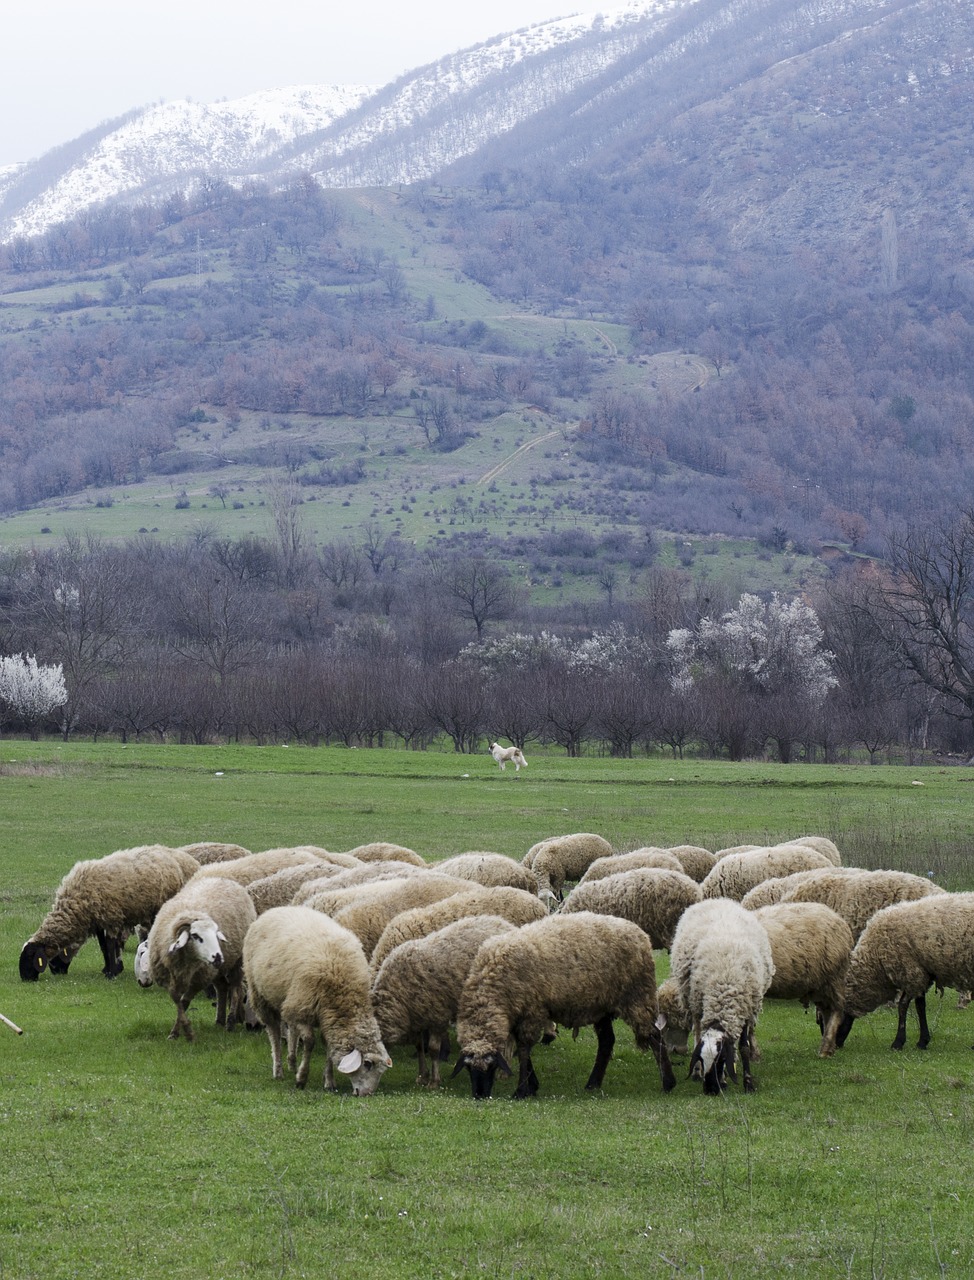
(351, 1062)
(180, 942)
(729, 1062)
(500, 1062)
(462, 1062)
(221, 935)
(660, 1023)
(696, 1062)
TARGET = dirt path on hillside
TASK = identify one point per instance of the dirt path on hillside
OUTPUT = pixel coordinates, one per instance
(494, 472)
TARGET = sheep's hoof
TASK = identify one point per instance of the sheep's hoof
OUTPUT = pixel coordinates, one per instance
(300, 1084)
(749, 1085)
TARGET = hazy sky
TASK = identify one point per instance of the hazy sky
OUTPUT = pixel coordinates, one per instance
(69, 64)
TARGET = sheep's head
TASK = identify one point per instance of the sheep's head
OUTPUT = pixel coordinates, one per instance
(364, 1069)
(483, 1068)
(141, 965)
(35, 957)
(203, 938)
(713, 1058)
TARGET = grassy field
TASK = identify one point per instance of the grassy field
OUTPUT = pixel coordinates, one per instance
(126, 1155)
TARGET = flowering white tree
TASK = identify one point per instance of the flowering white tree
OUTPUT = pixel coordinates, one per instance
(31, 691)
(776, 646)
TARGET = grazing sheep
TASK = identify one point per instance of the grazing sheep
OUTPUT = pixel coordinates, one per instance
(675, 1016)
(514, 905)
(257, 865)
(564, 858)
(105, 898)
(653, 897)
(207, 851)
(771, 891)
(903, 950)
(330, 901)
(416, 989)
(503, 755)
(822, 844)
(575, 970)
(734, 875)
(492, 869)
(636, 860)
(355, 877)
(197, 941)
(811, 947)
(279, 888)
(385, 851)
(304, 969)
(721, 959)
(859, 895)
(696, 861)
(369, 914)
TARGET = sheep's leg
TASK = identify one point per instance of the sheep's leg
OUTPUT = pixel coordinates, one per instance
(744, 1046)
(830, 1021)
(422, 1071)
(306, 1038)
(658, 1046)
(845, 1026)
(607, 1039)
(899, 1040)
(921, 1008)
(272, 1025)
(221, 1003)
(527, 1082)
(111, 953)
(182, 1023)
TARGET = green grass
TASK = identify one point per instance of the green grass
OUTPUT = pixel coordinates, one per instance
(127, 1155)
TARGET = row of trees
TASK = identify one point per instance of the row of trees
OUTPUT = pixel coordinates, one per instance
(365, 643)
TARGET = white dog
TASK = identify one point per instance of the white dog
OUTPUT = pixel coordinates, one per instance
(503, 754)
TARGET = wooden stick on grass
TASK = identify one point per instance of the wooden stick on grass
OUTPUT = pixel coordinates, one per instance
(12, 1025)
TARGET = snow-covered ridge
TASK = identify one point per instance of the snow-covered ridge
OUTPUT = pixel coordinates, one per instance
(165, 146)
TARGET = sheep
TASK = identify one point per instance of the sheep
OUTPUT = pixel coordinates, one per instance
(576, 970)
(695, 861)
(562, 858)
(771, 891)
(735, 874)
(279, 888)
(674, 1016)
(416, 989)
(503, 755)
(822, 844)
(257, 865)
(207, 851)
(652, 897)
(369, 914)
(197, 940)
(365, 873)
(304, 969)
(721, 959)
(903, 950)
(514, 905)
(330, 901)
(492, 869)
(859, 895)
(638, 858)
(385, 851)
(105, 897)
(811, 946)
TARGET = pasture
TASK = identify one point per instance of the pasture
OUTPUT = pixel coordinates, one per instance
(127, 1156)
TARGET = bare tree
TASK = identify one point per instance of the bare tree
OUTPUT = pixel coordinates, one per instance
(481, 591)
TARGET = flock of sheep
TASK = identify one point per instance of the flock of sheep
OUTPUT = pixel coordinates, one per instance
(375, 947)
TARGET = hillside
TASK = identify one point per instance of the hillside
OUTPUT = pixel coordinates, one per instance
(714, 307)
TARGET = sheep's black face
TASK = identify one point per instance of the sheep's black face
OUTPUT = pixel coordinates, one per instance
(59, 961)
(482, 1073)
(33, 961)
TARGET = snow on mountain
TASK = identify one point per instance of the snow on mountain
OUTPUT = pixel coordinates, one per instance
(346, 135)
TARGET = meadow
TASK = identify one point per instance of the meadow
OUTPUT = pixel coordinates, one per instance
(127, 1155)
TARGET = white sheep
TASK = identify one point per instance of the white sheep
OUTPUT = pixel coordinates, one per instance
(560, 859)
(257, 865)
(105, 898)
(514, 905)
(303, 969)
(811, 947)
(197, 941)
(857, 896)
(416, 989)
(279, 888)
(653, 897)
(771, 891)
(207, 851)
(377, 905)
(733, 875)
(575, 970)
(721, 959)
(904, 950)
(489, 869)
(386, 851)
(648, 856)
